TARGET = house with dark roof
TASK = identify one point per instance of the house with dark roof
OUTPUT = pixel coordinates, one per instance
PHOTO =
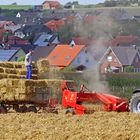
(75, 56)
(24, 47)
(16, 40)
(46, 40)
(137, 18)
(13, 54)
(123, 40)
(42, 52)
(28, 30)
(117, 58)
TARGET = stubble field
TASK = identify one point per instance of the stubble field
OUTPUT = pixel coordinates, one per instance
(45, 126)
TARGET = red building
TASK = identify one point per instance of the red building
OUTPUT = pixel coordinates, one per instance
(51, 5)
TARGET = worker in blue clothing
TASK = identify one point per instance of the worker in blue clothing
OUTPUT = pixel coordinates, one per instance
(28, 64)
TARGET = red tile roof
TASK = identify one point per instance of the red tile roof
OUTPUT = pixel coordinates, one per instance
(90, 18)
(52, 3)
(63, 55)
(70, 18)
(55, 24)
(83, 40)
(12, 39)
(123, 40)
(3, 23)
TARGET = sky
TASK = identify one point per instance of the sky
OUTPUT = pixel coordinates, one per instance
(38, 2)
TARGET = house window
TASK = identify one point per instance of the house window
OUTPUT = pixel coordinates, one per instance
(109, 58)
(67, 57)
(136, 69)
(16, 58)
(46, 40)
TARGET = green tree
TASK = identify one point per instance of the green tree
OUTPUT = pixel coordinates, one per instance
(129, 69)
(21, 59)
(66, 32)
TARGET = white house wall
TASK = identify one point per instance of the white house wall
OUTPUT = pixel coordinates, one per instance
(81, 59)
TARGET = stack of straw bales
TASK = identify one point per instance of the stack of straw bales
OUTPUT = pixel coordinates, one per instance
(26, 90)
(15, 70)
(43, 65)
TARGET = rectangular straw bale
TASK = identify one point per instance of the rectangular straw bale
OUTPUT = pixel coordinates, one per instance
(9, 97)
(10, 71)
(3, 75)
(3, 89)
(3, 82)
(34, 71)
(7, 64)
(35, 77)
(18, 64)
(21, 71)
(12, 76)
(1, 70)
(40, 83)
(43, 65)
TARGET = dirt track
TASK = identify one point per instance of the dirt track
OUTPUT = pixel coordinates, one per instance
(43, 126)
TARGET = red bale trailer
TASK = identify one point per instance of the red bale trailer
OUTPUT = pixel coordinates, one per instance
(73, 100)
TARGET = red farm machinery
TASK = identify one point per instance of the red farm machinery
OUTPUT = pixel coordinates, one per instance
(74, 102)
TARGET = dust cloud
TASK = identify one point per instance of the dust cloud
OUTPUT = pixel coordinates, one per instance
(103, 31)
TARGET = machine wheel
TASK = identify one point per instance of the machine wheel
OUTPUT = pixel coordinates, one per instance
(22, 109)
(32, 109)
(70, 111)
(134, 105)
(3, 109)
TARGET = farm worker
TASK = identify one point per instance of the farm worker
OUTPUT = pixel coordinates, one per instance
(28, 64)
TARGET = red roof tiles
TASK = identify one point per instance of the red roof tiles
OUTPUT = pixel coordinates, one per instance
(63, 55)
(55, 24)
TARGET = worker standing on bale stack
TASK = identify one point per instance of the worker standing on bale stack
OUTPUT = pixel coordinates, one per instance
(28, 64)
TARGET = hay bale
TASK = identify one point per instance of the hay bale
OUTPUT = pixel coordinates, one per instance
(7, 64)
(34, 71)
(18, 64)
(10, 71)
(13, 76)
(1, 70)
(21, 89)
(3, 75)
(43, 65)
(21, 71)
(34, 76)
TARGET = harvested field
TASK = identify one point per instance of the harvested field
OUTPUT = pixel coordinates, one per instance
(44, 126)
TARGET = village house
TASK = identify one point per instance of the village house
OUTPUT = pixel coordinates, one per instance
(42, 52)
(123, 40)
(116, 59)
(76, 56)
(30, 30)
(46, 40)
(13, 54)
(54, 25)
(16, 40)
(24, 47)
(51, 5)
